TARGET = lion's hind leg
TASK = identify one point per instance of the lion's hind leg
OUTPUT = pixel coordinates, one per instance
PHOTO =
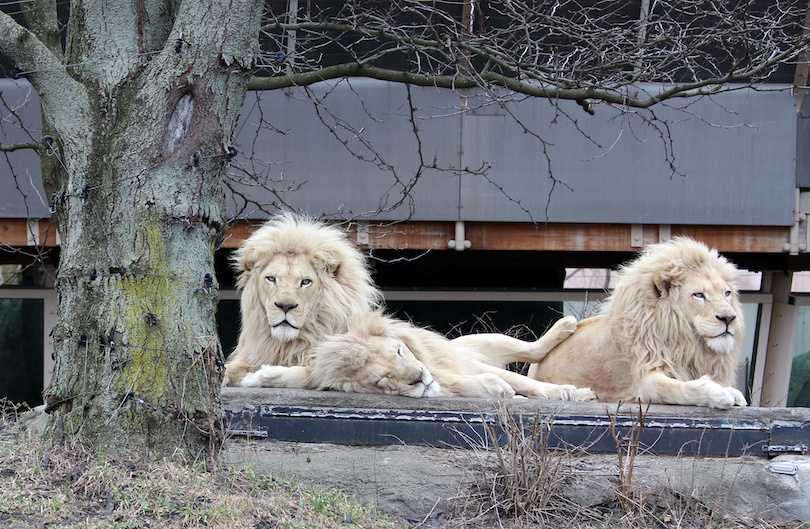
(540, 390)
(500, 350)
(277, 377)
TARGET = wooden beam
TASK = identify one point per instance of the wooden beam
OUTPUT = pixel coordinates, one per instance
(13, 232)
(742, 239)
(486, 236)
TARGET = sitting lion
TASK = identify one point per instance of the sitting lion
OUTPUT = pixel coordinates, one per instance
(669, 333)
(301, 281)
(380, 354)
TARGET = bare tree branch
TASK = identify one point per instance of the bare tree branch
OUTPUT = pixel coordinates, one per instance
(18, 146)
(560, 49)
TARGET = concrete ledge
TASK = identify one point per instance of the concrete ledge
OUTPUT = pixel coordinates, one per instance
(361, 419)
(423, 479)
(419, 482)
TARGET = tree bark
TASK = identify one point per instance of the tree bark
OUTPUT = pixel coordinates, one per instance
(142, 118)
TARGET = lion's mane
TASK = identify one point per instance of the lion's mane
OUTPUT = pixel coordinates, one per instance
(653, 328)
(338, 362)
(345, 279)
(336, 359)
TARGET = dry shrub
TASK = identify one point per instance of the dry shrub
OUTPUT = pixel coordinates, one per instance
(523, 478)
(526, 483)
(630, 497)
(530, 474)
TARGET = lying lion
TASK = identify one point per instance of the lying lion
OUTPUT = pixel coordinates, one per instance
(669, 333)
(304, 282)
(380, 354)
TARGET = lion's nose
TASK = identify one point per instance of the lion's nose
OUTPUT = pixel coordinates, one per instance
(419, 378)
(726, 319)
(286, 307)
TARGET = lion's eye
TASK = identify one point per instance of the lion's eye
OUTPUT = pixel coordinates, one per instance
(306, 282)
(728, 293)
(270, 279)
(700, 295)
(400, 353)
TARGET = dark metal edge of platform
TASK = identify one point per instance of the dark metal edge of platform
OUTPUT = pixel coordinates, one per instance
(342, 418)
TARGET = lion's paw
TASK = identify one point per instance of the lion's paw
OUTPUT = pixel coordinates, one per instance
(725, 397)
(573, 393)
(264, 377)
(495, 386)
(485, 385)
(560, 392)
(717, 396)
(562, 329)
(584, 394)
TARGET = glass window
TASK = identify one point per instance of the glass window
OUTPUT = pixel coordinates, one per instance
(21, 346)
(799, 392)
(523, 319)
(228, 323)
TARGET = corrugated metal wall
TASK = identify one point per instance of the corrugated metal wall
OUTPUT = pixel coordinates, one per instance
(735, 155)
(735, 152)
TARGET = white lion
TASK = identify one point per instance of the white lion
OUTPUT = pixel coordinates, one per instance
(670, 333)
(301, 280)
(306, 286)
(363, 360)
(380, 354)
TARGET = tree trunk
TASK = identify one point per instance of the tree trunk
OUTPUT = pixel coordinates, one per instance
(142, 127)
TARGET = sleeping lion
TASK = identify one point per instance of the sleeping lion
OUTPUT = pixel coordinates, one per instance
(670, 333)
(380, 354)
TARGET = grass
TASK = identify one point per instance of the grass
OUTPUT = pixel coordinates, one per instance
(49, 485)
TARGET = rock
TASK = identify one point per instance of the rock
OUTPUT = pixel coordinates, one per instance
(32, 423)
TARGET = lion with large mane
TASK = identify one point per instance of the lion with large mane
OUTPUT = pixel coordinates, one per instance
(301, 280)
(670, 333)
(311, 318)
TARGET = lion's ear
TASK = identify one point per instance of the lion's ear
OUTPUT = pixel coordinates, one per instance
(662, 281)
(666, 280)
(244, 259)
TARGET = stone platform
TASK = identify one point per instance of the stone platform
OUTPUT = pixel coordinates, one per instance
(416, 457)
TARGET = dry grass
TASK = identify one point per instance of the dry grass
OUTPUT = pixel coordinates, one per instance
(50, 485)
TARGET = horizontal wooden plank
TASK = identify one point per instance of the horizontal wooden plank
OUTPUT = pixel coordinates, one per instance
(743, 239)
(16, 232)
(13, 232)
(487, 236)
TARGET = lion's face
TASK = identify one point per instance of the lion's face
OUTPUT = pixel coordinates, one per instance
(711, 306)
(392, 369)
(287, 288)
